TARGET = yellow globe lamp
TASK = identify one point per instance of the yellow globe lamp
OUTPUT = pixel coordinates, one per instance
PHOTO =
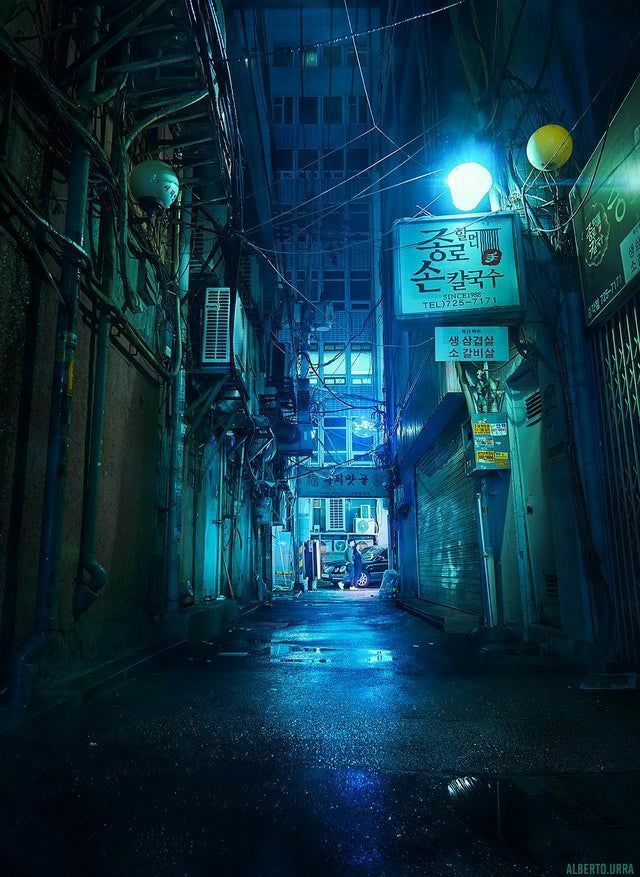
(549, 148)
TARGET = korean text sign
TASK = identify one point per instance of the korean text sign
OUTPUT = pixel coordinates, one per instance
(450, 265)
(358, 481)
(472, 343)
(491, 441)
(605, 203)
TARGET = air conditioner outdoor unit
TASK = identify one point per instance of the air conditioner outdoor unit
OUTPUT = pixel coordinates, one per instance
(365, 526)
(335, 515)
(340, 545)
(224, 331)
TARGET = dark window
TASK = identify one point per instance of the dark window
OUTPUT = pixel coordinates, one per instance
(332, 56)
(358, 218)
(333, 288)
(362, 448)
(283, 110)
(333, 161)
(335, 439)
(357, 160)
(363, 53)
(282, 56)
(283, 160)
(308, 162)
(358, 110)
(332, 110)
(360, 288)
(308, 111)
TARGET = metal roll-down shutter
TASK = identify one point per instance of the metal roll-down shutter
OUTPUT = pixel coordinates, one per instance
(449, 565)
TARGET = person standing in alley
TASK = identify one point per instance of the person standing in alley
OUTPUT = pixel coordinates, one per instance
(358, 565)
(348, 558)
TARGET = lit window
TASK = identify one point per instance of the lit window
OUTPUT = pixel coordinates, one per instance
(310, 57)
(334, 364)
(361, 363)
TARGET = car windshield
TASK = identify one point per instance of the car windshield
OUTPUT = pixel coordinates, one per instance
(370, 554)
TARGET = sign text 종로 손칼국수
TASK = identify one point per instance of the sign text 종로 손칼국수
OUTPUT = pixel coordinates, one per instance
(450, 265)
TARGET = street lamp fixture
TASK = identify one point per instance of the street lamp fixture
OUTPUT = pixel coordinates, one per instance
(469, 182)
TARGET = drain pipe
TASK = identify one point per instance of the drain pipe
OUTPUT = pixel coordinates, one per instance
(86, 591)
(176, 459)
(92, 576)
(55, 482)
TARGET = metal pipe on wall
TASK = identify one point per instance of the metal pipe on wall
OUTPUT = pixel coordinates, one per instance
(176, 458)
(51, 536)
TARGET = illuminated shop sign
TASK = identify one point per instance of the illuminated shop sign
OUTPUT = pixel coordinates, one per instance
(344, 481)
(472, 343)
(454, 265)
(605, 203)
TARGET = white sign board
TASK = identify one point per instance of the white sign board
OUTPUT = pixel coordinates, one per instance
(477, 343)
(450, 265)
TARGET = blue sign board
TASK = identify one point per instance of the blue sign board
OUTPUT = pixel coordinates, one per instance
(457, 265)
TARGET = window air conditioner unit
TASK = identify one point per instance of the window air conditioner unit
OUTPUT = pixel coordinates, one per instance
(224, 332)
(364, 526)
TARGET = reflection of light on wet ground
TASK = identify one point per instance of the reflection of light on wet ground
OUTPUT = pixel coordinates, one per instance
(322, 654)
(379, 656)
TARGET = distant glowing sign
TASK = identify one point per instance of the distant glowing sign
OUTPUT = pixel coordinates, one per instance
(472, 343)
(359, 481)
(457, 264)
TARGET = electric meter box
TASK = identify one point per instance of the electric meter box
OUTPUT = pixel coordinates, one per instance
(486, 442)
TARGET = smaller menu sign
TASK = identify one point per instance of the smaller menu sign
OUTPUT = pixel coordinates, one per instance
(479, 343)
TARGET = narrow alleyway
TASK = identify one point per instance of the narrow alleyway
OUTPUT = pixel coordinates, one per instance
(321, 736)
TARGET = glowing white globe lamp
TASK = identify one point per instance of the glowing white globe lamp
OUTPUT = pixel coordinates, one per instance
(469, 182)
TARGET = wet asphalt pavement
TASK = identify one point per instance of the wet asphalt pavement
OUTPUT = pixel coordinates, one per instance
(328, 734)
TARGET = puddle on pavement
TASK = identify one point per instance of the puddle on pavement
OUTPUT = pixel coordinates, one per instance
(379, 656)
(293, 652)
(588, 817)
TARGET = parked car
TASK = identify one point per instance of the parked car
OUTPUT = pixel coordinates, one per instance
(375, 561)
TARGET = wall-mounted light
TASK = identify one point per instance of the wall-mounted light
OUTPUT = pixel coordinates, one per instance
(469, 182)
